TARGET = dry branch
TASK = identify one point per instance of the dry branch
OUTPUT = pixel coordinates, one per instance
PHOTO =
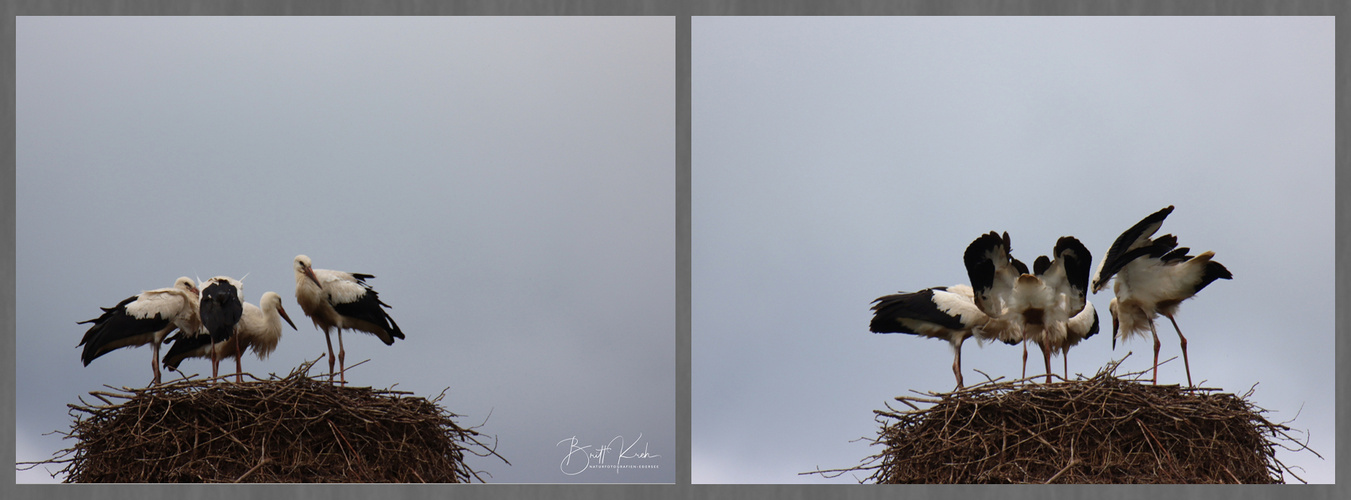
(292, 429)
(1098, 430)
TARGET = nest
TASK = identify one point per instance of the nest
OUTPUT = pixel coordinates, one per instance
(1102, 430)
(292, 429)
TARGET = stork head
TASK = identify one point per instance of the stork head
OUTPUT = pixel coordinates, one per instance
(186, 284)
(302, 266)
(1116, 324)
(271, 300)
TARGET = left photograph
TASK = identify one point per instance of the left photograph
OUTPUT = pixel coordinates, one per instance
(345, 249)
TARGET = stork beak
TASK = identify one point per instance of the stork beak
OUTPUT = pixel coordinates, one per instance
(310, 272)
(1116, 325)
(282, 312)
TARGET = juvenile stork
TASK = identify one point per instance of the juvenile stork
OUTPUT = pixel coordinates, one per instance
(1069, 318)
(144, 318)
(1035, 306)
(947, 313)
(222, 305)
(1153, 276)
(993, 273)
(335, 300)
(259, 329)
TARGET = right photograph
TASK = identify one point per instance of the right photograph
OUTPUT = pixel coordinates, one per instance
(902, 226)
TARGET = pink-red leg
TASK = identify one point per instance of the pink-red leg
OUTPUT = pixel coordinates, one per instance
(342, 359)
(1185, 362)
(1156, 351)
(1024, 358)
(239, 364)
(154, 361)
(329, 340)
(957, 362)
(1046, 353)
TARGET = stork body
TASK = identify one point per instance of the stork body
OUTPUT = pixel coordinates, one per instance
(1153, 276)
(259, 329)
(144, 318)
(994, 275)
(1036, 306)
(222, 306)
(1064, 300)
(947, 313)
(337, 300)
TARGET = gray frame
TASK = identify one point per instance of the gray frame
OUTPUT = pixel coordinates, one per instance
(683, 10)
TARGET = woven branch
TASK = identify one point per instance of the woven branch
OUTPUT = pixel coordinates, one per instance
(292, 429)
(1089, 431)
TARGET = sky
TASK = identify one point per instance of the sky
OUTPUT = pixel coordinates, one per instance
(509, 182)
(836, 160)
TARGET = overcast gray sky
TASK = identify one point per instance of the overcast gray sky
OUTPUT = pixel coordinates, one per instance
(836, 160)
(509, 182)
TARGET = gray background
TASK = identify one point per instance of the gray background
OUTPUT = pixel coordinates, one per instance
(682, 10)
(836, 160)
(507, 180)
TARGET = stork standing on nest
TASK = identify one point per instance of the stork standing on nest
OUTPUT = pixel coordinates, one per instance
(947, 313)
(222, 305)
(1006, 291)
(1153, 276)
(259, 329)
(144, 318)
(1070, 318)
(335, 300)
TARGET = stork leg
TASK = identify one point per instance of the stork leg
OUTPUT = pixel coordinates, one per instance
(342, 359)
(1156, 351)
(1185, 362)
(957, 361)
(239, 365)
(215, 361)
(154, 361)
(1024, 358)
(1046, 353)
(328, 339)
(1065, 357)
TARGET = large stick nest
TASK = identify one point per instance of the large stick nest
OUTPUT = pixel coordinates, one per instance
(1100, 430)
(292, 429)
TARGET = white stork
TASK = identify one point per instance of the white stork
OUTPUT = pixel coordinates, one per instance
(947, 313)
(1068, 318)
(1035, 306)
(1153, 276)
(259, 329)
(1005, 290)
(335, 300)
(144, 318)
(222, 305)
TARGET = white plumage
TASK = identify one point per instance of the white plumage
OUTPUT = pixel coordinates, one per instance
(947, 313)
(145, 318)
(259, 329)
(337, 300)
(1153, 276)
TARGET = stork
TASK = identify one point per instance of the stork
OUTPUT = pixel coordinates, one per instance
(259, 329)
(144, 318)
(1005, 290)
(1079, 327)
(1153, 276)
(1064, 320)
(221, 306)
(947, 313)
(335, 300)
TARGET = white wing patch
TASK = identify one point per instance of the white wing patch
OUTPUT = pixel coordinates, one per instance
(341, 288)
(165, 303)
